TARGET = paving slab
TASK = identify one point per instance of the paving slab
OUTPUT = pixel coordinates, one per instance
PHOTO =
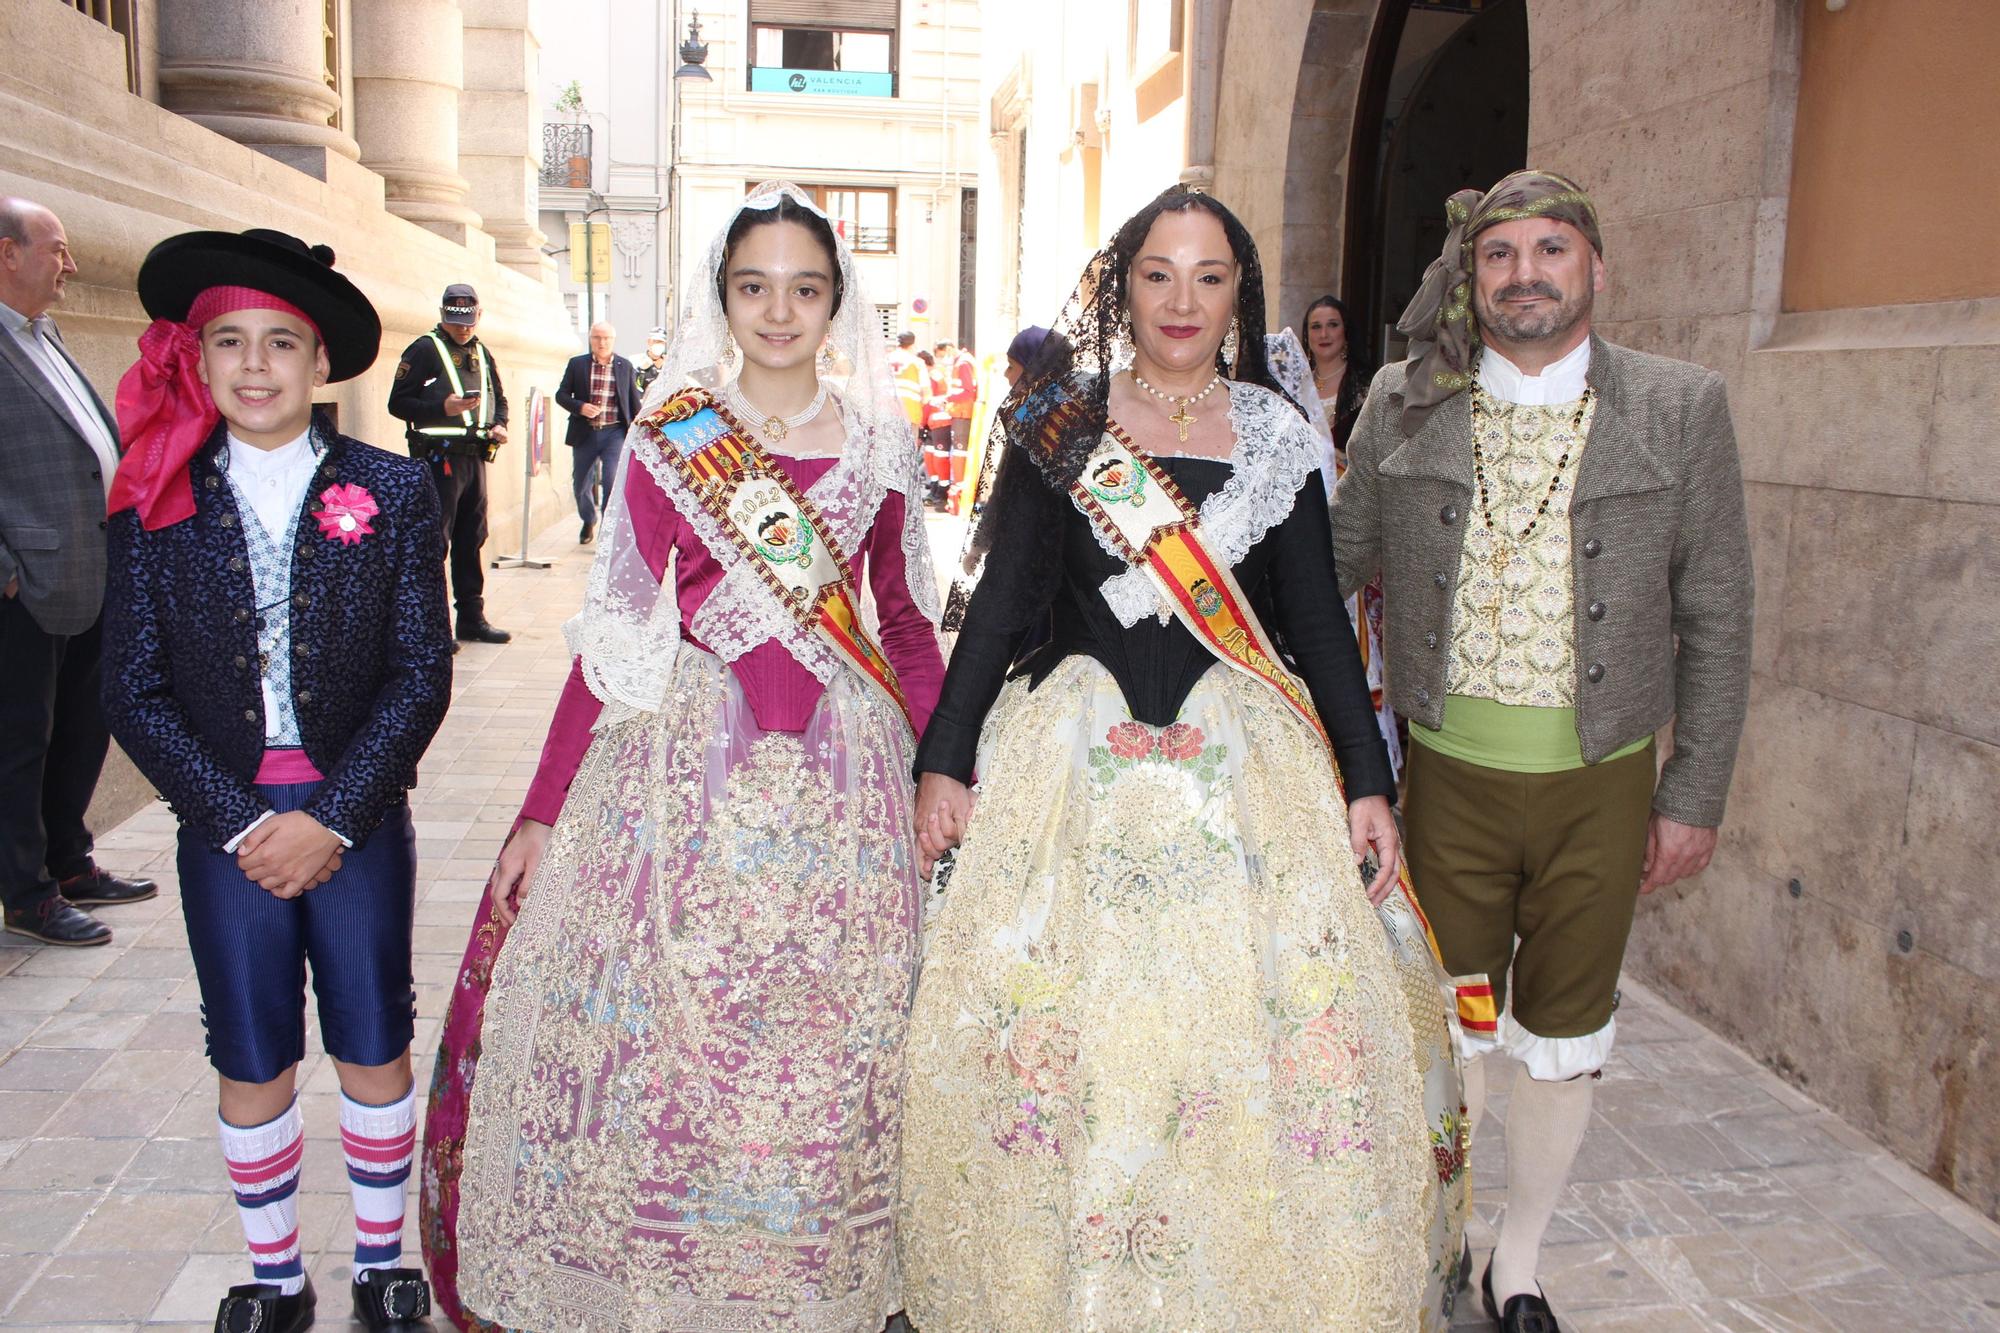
(1710, 1197)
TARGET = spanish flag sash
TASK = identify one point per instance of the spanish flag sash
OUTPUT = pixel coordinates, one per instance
(1131, 500)
(772, 525)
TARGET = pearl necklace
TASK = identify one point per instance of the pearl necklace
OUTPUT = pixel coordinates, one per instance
(1181, 417)
(773, 428)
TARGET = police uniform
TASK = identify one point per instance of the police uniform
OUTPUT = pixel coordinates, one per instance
(456, 447)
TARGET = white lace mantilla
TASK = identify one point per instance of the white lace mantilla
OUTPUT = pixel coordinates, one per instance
(1276, 450)
(628, 633)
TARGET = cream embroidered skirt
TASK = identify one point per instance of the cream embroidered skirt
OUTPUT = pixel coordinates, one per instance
(687, 1110)
(1168, 1069)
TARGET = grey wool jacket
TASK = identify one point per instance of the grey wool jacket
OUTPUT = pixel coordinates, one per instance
(1661, 562)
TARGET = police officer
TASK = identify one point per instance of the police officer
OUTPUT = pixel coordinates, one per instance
(448, 391)
(656, 360)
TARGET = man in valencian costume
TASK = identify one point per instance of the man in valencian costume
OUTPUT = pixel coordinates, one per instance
(672, 1098)
(277, 659)
(1169, 1068)
(1560, 526)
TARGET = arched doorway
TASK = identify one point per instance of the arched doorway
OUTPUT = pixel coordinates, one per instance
(1443, 105)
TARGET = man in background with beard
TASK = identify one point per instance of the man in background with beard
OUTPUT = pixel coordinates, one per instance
(1560, 526)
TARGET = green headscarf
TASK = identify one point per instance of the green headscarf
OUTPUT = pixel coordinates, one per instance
(1443, 333)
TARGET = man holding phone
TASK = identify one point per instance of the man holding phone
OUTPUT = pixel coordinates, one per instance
(447, 389)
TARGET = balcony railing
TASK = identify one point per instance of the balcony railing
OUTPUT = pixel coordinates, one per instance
(868, 240)
(566, 155)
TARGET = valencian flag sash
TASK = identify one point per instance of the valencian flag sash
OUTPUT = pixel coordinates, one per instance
(1131, 500)
(772, 525)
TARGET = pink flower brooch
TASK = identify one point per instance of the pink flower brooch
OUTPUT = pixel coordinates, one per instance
(344, 513)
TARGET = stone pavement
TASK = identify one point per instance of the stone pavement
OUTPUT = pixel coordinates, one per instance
(1709, 1194)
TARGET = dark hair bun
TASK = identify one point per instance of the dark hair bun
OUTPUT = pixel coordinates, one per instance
(324, 254)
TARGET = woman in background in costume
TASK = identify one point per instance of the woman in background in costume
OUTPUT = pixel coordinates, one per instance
(1167, 1068)
(682, 1110)
(1339, 379)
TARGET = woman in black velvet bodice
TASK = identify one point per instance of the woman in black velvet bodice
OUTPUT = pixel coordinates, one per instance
(1045, 561)
(1163, 1053)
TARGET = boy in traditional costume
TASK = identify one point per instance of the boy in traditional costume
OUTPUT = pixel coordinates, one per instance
(277, 658)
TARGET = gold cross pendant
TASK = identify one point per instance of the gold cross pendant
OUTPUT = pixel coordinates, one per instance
(1183, 419)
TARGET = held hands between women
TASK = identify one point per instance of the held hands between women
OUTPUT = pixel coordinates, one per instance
(944, 808)
(515, 873)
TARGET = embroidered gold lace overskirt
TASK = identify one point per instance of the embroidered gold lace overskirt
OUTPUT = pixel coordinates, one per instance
(1163, 1071)
(687, 1114)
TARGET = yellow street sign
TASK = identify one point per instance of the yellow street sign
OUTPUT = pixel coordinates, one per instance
(598, 252)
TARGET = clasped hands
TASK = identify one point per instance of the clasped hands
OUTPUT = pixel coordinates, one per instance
(289, 853)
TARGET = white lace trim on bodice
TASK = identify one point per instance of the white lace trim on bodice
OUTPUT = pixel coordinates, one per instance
(1276, 450)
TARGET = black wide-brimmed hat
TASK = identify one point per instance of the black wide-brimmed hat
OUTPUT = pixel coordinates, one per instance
(181, 268)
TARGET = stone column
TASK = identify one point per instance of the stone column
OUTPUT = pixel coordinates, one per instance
(500, 130)
(409, 64)
(255, 71)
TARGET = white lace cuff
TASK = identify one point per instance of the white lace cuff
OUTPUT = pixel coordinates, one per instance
(1549, 1059)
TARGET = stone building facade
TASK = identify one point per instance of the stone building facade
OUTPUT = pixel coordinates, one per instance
(888, 142)
(403, 133)
(1794, 193)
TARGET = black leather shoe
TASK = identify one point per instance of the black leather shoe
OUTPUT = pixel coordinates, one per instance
(54, 921)
(1524, 1313)
(259, 1307)
(480, 631)
(587, 535)
(101, 888)
(397, 1299)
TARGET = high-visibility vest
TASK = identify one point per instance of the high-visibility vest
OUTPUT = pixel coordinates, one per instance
(480, 417)
(909, 374)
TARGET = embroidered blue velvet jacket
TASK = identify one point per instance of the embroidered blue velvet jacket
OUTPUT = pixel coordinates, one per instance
(371, 646)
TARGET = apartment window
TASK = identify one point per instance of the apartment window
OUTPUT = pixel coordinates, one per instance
(886, 319)
(864, 215)
(842, 48)
(116, 15)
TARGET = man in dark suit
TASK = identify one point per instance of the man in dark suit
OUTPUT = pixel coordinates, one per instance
(599, 393)
(58, 450)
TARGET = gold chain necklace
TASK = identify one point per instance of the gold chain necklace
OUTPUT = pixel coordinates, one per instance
(1180, 416)
(1501, 552)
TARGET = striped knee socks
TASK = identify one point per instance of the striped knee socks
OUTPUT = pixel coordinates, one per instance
(264, 1174)
(379, 1142)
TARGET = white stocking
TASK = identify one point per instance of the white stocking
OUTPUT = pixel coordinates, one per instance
(1545, 1125)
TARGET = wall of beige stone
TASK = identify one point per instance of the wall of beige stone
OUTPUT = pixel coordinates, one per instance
(1870, 769)
(124, 173)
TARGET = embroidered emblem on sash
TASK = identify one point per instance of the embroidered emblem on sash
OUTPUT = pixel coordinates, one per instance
(772, 524)
(1115, 481)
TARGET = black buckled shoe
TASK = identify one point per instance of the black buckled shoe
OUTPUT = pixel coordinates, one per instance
(54, 921)
(1525, 1313)
(482, 631)
(259, 1307)
(396, 1299)
(100, 888)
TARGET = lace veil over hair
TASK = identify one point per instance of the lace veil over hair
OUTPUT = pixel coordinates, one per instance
(628, 632)
(1055, 417)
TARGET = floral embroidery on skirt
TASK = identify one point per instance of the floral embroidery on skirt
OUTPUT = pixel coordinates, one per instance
(1168, 1069)
(687, 1108)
